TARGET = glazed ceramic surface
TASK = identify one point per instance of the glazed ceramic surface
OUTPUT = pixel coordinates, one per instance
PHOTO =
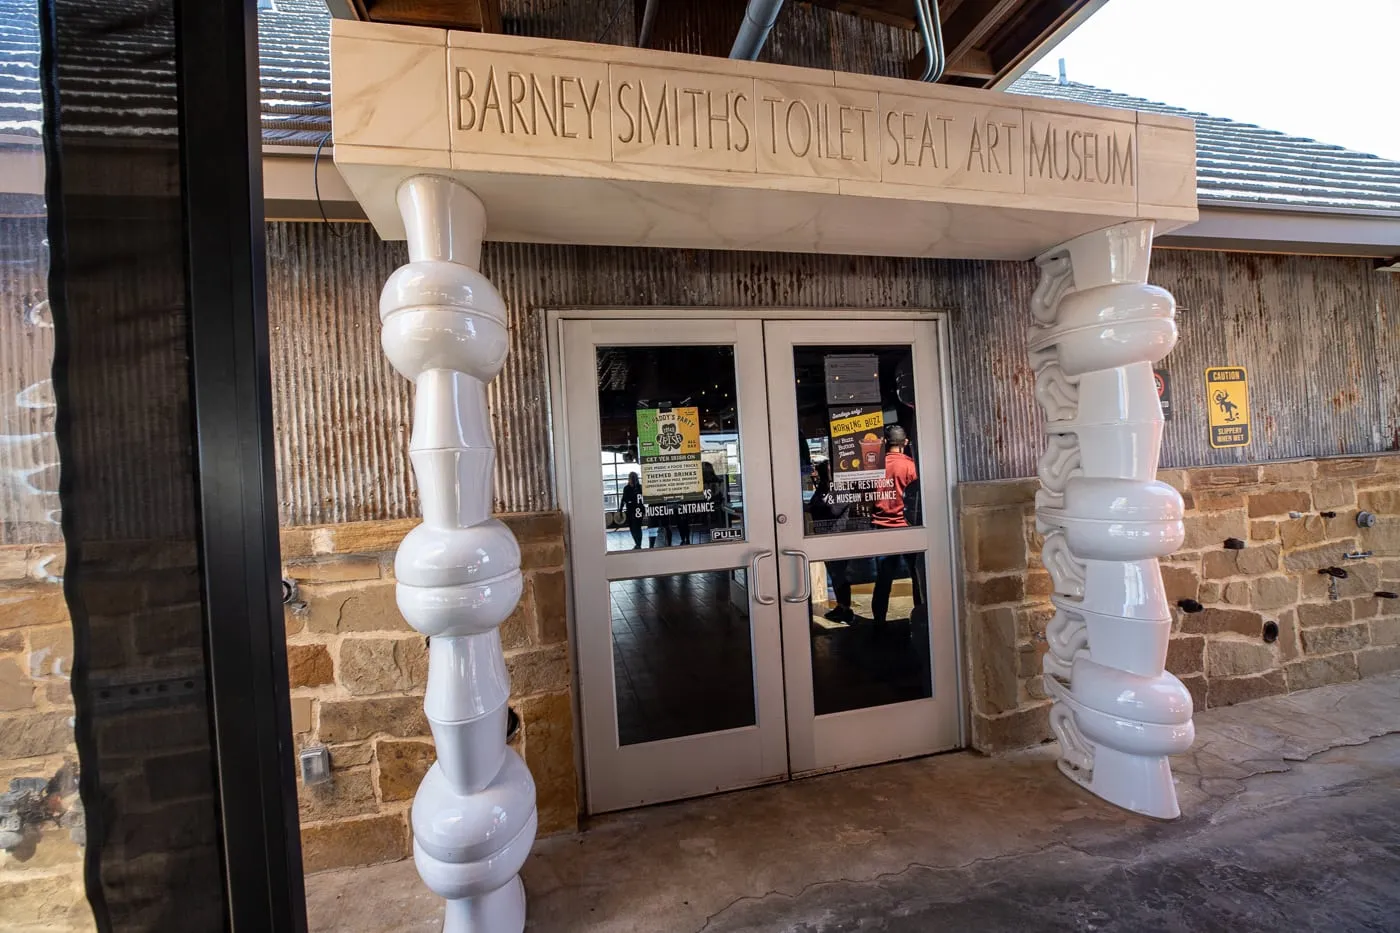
(1100, 328)
(458, 573)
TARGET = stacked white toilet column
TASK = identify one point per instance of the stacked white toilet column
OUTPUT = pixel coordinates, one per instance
(1106, 520)
(459, 572)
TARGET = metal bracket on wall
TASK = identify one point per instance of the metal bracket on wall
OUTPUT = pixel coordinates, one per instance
(120, 695)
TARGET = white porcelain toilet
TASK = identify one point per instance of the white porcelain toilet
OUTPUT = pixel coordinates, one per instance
(1132, 723)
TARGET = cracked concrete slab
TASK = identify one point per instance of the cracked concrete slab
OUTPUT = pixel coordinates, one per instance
(1291, 818)
(1243, 875)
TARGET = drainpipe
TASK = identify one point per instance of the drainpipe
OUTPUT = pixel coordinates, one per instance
(931, 31)
(753, 32)
(648, 23)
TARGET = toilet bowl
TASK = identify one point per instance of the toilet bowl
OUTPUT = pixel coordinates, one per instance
(1127, 395)
(1130, 589)
(1117, 519)
(1109, 326)
(1157, 700)
(1126, 450)
(1136, 645)
(1130, 724)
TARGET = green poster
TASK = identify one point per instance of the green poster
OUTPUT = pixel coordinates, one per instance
(668, 442)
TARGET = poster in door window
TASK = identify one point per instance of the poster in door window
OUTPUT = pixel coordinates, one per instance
(852, 378)
(857, 445)
(668, 442)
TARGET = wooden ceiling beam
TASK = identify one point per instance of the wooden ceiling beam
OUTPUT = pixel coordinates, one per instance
(1030, 29)
(974, 68)
(974, 64)
(473, 15)
(897, 13)
(973, 21)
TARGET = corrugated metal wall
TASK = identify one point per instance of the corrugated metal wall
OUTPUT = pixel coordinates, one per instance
(28, 452)
(342, 413)
(1321, 338)
(1318, 336)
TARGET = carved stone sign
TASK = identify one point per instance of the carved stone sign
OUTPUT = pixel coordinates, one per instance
(749, 147)
(567, 108)
(557, 107)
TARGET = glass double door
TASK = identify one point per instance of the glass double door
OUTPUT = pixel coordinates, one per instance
(759, 541)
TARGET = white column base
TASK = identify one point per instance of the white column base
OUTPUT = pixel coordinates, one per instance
(501, 911)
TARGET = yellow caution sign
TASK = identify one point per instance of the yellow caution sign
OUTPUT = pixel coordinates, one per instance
(1227, 400)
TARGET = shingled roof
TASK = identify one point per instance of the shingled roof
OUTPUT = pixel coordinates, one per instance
(1240, 163)
(1236, 163)
(123, 86)
(294, 45)
(20, 106)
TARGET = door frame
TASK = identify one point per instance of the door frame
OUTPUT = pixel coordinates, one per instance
(846, 739)
(559, 459)
(688, 765)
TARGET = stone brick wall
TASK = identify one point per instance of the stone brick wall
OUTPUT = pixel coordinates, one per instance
(41, 876)
(1294, 518)
(358, 674)
(152, 772)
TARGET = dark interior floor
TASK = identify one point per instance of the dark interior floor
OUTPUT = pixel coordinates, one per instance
(683, 657)
(865, 665)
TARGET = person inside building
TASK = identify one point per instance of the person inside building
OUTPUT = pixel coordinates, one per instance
(890, 511)
(715, 496)
(829, 517)
(632, 509)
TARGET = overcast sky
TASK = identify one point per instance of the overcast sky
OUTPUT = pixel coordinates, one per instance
(1329, 71)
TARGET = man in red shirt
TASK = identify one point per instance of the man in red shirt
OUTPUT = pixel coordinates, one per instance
(899, 473)
(890, 512)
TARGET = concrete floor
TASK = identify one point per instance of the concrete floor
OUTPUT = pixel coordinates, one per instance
(1291, 820)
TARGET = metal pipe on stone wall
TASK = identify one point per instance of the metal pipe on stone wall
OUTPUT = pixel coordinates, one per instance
(1117, 712)
(444, 327)
(759, 17)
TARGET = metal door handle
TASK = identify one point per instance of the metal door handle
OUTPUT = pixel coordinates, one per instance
(758, 596)
(806, 593)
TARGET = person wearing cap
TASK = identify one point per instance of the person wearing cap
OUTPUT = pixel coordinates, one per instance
(889, 512)
(900, 471)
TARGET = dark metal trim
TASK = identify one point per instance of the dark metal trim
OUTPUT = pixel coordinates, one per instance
(231, 393)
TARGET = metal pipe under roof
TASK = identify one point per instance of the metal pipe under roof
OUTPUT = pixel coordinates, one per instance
(759, 17)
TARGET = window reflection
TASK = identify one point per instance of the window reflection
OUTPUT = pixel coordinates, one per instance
(669, 442)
